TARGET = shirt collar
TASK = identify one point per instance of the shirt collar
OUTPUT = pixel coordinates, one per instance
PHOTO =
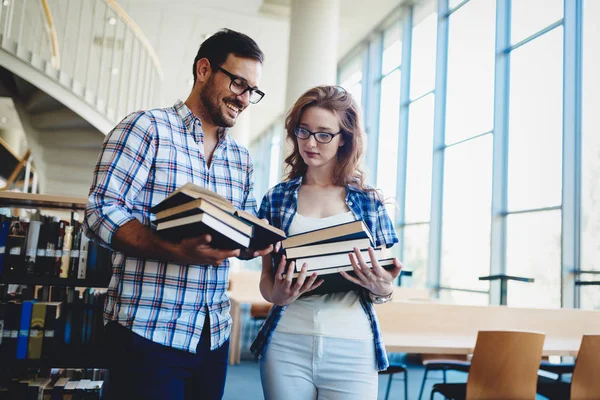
(190, 119)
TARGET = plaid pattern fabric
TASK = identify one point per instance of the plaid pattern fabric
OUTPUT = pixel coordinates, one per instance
(144, 158)
(279, 207)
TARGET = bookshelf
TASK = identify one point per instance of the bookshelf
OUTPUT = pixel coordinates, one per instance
(81, 354)
(42, 201)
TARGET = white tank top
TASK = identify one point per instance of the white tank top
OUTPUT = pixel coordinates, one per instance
(338, 315)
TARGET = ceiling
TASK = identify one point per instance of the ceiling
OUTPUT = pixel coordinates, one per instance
(175, 28)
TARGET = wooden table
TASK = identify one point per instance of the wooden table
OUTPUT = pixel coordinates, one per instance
(244, 289)
(436, 328)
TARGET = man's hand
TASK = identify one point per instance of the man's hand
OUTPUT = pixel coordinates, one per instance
(284, 292)
(249, 254)
(198, 251)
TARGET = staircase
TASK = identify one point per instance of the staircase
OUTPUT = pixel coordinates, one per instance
(73, 68)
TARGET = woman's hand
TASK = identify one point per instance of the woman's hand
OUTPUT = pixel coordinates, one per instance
(377, 280)
(284, 291)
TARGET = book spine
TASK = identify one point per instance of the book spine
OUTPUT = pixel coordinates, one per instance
(36, 332)
(66, 252)
(83, 257)
(3, 235)
(23, 338)
(31, 248)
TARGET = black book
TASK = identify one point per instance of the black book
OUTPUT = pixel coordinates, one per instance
(50, 330)
(14, 261)
(74, 259)
(10, 336)
(51, 246)
(223, 236)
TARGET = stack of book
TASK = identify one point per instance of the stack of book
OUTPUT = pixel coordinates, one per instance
(326, 252)
(192, 211)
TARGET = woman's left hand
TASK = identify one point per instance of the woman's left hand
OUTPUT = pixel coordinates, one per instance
(377, 280)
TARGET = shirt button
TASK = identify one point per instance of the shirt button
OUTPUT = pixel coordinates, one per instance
(349, 203)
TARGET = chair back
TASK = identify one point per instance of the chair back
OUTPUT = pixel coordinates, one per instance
(585, 384)
(505, 365)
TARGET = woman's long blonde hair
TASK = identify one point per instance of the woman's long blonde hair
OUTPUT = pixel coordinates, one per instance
(347, 170)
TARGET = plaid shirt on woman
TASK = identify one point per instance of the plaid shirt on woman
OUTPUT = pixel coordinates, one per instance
(279, 207)
(146, 157)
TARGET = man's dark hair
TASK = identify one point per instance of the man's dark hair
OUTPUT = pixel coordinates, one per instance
(217, 47)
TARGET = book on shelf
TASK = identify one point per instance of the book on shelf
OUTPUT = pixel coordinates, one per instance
(192, 211)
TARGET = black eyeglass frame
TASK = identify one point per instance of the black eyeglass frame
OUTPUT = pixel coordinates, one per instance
(331, 135)
(242, 81)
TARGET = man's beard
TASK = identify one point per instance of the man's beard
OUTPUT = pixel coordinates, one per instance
(215, 112)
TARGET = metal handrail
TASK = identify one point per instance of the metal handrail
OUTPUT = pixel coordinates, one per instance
(137, 32)
(53, 36)
(93, 48)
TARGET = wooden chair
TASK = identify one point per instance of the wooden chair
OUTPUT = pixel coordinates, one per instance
(504, 367)
(585, 384)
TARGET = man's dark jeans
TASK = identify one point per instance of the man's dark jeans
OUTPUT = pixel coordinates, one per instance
(142, 369)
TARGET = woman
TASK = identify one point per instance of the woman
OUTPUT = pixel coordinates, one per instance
(324, 346)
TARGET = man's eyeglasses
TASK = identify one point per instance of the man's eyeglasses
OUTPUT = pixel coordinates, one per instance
(321, 137)
(239, 86)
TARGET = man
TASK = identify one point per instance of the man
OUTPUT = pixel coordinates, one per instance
(167, 312)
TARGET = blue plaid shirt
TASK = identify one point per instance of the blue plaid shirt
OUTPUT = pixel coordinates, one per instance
(279, 207)
(143, 159)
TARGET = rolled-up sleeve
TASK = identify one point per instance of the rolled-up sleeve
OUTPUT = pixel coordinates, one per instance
(386, 234)
(121, 173)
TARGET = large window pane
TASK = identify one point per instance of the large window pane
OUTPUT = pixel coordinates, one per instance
(533, 251)
(392, 49)
(424, 39)
(590, 149)
(416, 252)
(419, 160)
(351, 78)
(387, 153)
(470, 101)
(467, 214)
(531, 16)
(535, 124)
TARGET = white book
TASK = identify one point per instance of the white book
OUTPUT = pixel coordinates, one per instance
(334, 260)
(83, 257)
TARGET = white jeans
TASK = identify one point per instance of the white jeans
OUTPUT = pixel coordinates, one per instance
(304, 367)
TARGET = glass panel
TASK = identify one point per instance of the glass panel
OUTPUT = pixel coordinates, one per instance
(535, 124)
(470, 101)
(533, 243)
(387, 155)
(453, 3)
(467, 214)
(274, 172)
(416, 253)
(590, 297)
(351, 78)
(392, 49)
(424, 39)
(590, 149)
(464, 298)
(419, 160)
(531, 16)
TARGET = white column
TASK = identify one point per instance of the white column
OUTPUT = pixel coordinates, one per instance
(312, 59)
(312, 55)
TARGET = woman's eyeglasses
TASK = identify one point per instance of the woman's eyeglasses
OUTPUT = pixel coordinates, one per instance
(321, 137)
